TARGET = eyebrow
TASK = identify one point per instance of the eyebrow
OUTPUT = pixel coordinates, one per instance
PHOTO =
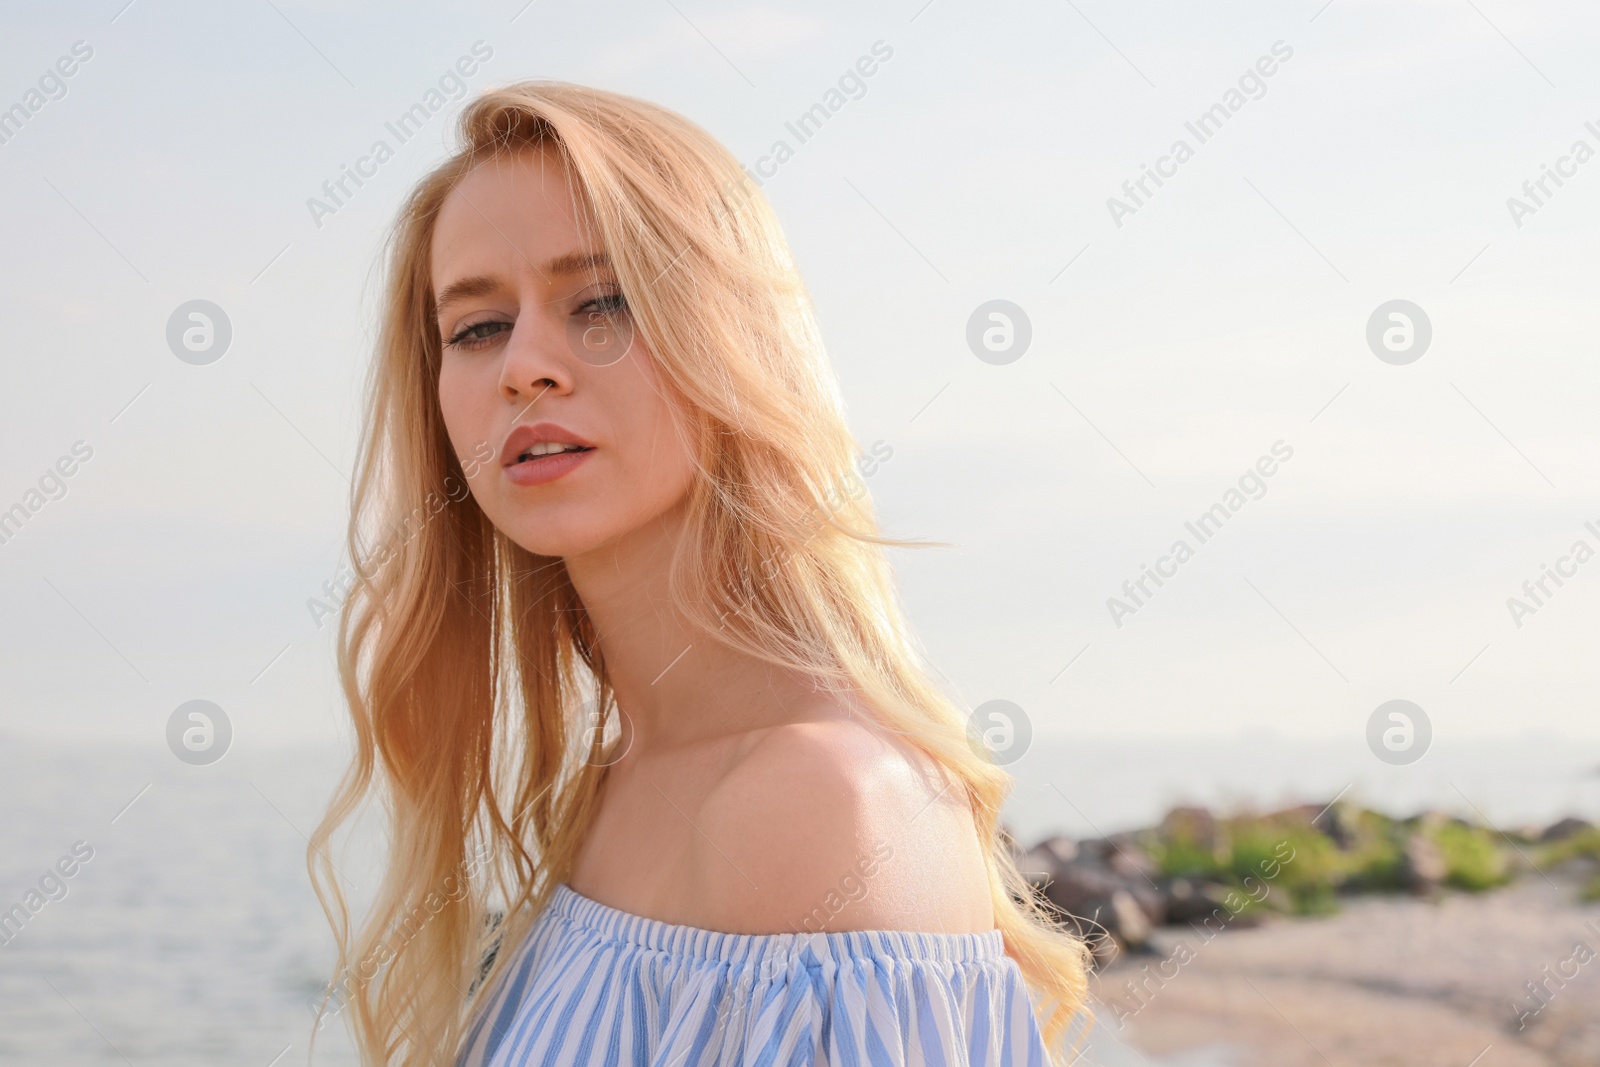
(577, 262)
(483, 284)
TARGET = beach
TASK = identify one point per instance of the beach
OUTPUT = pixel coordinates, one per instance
(191, 936)
(1387, 980)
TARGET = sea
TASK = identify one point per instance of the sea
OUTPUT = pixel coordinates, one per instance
(187, 932)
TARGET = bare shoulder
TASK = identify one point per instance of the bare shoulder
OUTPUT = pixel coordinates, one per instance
(835, 824)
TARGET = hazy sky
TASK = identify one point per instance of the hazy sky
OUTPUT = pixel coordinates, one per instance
(1176, 339)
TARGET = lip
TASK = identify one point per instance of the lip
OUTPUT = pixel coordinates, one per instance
(521, 437)
(545, 468)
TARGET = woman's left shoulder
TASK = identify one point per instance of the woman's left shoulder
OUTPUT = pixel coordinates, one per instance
(835, 824)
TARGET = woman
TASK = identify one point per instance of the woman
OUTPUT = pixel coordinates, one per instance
(625, 660)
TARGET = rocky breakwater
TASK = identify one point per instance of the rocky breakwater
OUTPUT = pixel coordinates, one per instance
(1211, 872)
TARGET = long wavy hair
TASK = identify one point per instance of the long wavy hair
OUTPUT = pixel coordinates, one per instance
(483, 715)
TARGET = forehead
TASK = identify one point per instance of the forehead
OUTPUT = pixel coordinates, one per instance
(507, 214)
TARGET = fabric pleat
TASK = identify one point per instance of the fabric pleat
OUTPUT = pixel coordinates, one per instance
(591, 984)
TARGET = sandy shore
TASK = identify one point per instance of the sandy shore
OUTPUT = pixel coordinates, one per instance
(1388, 980)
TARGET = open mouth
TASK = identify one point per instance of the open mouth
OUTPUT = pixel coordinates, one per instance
(545, 461)
(545, 450)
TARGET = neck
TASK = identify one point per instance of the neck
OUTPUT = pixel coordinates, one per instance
(673, 680)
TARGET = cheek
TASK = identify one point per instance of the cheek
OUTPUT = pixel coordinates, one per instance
(463, 409)
(660, 460)
(468, 415)
(452, 402)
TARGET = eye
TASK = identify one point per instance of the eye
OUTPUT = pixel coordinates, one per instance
(605, 304)
(477, 335)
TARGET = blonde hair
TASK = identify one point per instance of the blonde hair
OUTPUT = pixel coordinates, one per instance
(465, 658)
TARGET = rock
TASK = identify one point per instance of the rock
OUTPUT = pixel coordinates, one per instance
(1102, 900)
(1200, 902)
(1044, 861)
(1195, 823)
(1037, 866)
(1565, 828)
(1433, 819)
(1341, 824)
(1422, 865)
(1117, 925)
(1315, 816)
(1076, 887)
(1064, 849)
(1191, 900)
(1132, 862)
(1151, 899)
(1131, 926)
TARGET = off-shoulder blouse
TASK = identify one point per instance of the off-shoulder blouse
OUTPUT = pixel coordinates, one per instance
(591, 984)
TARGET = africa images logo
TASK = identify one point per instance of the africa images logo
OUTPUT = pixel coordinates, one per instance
(337, 191)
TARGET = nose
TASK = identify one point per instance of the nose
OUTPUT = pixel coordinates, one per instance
(534, 362)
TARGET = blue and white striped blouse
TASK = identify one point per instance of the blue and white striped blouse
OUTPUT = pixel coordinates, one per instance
(592, 984)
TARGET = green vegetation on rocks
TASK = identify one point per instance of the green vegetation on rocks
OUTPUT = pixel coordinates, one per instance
(1200, 868)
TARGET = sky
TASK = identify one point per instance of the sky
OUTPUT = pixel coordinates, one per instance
(1180, 335)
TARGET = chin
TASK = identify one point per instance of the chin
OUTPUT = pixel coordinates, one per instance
(542, 540)
(558, 532)
(592, 519)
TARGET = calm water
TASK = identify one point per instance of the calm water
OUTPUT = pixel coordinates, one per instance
(1100, 785)
(191, 937)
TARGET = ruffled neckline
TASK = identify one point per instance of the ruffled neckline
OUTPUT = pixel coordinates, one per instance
(770, 950)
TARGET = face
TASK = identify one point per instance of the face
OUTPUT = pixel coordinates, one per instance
(542, 370)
